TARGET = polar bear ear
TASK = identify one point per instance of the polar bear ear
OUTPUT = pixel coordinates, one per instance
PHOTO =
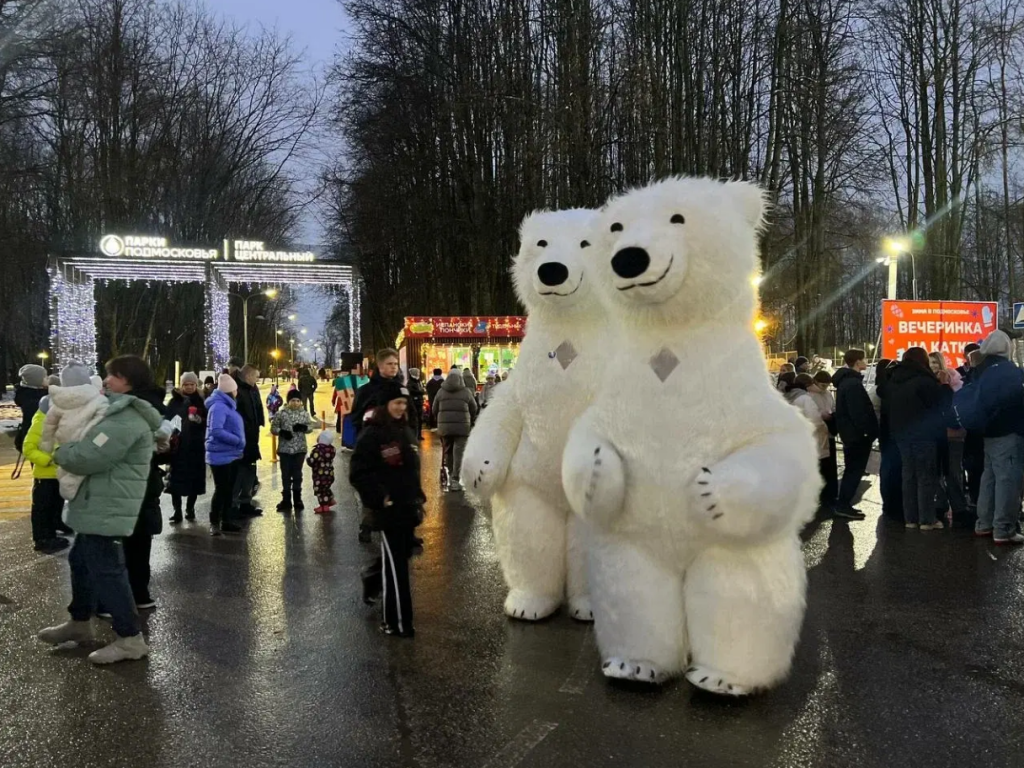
(750, 199)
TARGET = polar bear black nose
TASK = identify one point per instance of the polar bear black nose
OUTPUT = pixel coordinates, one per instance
(631, 262)
(551, 273)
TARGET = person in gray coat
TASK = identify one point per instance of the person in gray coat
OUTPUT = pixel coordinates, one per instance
(455, 409)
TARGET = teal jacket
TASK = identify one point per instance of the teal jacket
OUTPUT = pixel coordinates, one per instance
(115, 459)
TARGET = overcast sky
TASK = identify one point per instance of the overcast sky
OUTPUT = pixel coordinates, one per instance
(316, 27)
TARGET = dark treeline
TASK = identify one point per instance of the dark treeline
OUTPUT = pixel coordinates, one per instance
(861, 118)
(142, 117)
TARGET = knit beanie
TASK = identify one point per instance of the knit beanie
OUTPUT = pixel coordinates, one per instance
(326, 437)
(54, 380)
(227, 384)
(32, 375)
(392, 390)
(75, 374)
(293, 394)
(414, 373)
(189, 376)
(998, 344)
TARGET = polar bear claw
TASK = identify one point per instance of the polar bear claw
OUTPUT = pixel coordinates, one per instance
(618, 668)
(716, 682)
(529, 607)
(580, 608)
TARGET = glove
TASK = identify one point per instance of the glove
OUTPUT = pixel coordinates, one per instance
(286, 434)
(302, 428)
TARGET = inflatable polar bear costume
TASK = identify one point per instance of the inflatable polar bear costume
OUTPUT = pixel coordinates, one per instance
(515, 450)
(697, 478)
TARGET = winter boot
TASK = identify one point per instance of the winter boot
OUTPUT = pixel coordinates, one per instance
(297, 500)
(285, 505)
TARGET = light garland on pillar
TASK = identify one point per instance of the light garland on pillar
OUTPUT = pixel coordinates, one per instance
(354, 317)
(72, 318)
(218, 340)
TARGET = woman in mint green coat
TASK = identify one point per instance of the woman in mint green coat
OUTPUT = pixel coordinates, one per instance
(114, 457)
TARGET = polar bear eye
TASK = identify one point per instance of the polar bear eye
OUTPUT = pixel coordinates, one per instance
(584, 244)
(616, 227)
(542, 243)
(678, 219)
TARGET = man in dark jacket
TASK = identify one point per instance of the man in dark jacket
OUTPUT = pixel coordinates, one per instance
(250, 408)
(974, 443)
(416, 395)
(368, 398)
(307, 386)
(139, 545)
(994, 397)
(858, 428)
(433, 387)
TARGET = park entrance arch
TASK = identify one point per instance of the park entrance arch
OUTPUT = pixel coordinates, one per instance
(152, 259)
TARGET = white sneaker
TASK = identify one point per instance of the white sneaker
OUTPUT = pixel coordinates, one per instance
(68, 632)
(122, 649)
(455, 486)
(1015, 539)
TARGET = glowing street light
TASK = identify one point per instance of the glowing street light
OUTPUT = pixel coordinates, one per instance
(894, 248)
(43, 355)
(760, 325)
(756, 280)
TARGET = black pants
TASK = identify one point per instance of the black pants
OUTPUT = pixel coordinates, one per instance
(974, 465)
(137, 548)
(829, 470)
(291, 475)
(307, 402)
(245, 483)
(395, 548)
(47, 506)
(224, 478)
(190, 504)
(856, 456)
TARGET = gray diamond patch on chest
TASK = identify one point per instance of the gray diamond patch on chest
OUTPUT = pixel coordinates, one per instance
(565, 354)
(664, 363)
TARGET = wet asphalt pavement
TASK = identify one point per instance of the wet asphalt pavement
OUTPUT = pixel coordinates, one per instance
(263, 655)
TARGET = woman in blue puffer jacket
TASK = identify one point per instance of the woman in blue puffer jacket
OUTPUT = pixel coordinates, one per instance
(225, 444)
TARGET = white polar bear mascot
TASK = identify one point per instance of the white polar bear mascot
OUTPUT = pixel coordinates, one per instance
(515, 449)
(697, 477)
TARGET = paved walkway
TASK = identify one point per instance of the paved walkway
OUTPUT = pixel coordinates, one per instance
(912, 655)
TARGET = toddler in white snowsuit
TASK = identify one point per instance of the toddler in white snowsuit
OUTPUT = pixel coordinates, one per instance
(76, 406)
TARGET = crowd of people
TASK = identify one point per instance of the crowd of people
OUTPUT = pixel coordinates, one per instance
(951, 439)
(104, 451)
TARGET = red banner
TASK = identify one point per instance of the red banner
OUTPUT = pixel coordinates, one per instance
(938, 326)
(463, 327)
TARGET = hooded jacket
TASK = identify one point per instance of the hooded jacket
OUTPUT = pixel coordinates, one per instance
(307, 384)
(73, 412)
(916, 404)
(998, 385)
(454, 407)
(855, 415)
(225, 432)
(366, 399)
(385, 465)
(114, 457)
(43, 467)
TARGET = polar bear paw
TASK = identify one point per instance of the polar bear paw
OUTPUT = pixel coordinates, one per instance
(580, 608)
(713, 681)
(636, 671)
(483, 477)
(526, 606)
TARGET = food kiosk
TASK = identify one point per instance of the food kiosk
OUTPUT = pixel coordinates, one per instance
(483, 344)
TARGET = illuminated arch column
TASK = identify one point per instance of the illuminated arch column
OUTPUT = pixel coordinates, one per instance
(355, 331)
(72, 317)
(218, 335)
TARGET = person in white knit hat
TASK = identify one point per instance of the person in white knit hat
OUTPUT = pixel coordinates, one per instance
(76, 406)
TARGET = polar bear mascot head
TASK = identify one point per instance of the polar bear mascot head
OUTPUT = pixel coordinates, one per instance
(548, 271)
(681, 251)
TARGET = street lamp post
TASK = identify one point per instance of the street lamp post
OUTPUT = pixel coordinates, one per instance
(270, 293)
(896, 247)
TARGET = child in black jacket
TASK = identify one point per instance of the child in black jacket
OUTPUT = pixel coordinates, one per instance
(385, 471)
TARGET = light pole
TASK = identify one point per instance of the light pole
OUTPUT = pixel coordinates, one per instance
(896, 247)
(275, 354)
(270, 293)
